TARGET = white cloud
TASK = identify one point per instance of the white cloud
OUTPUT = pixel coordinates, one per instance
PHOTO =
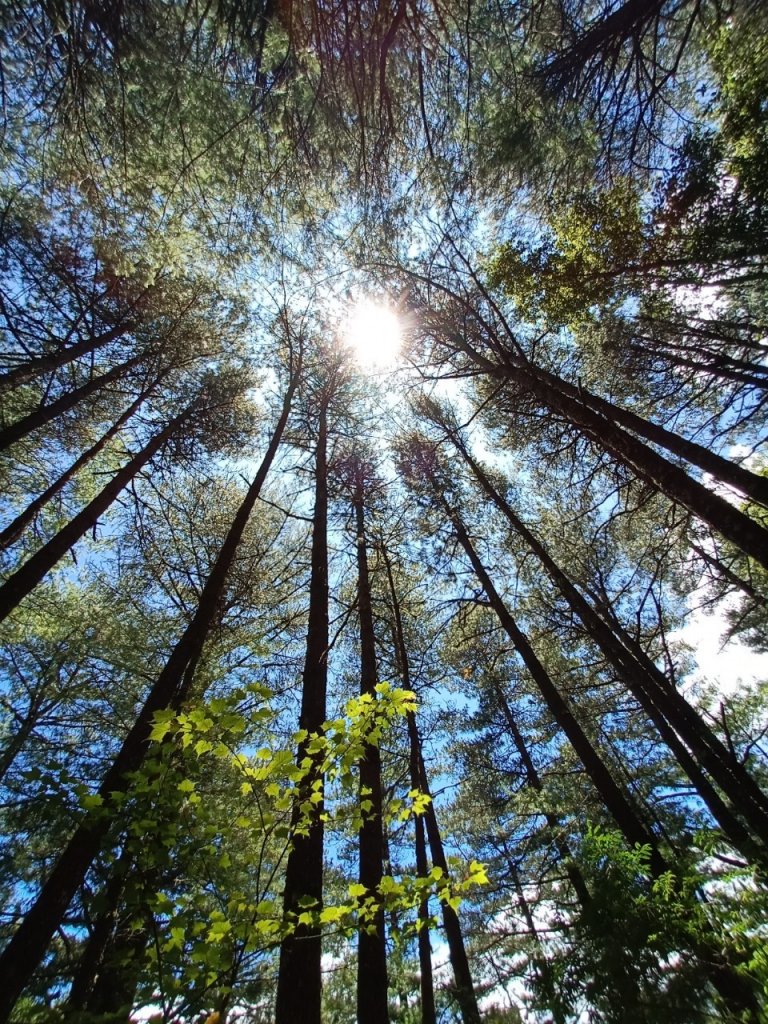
(729, 665)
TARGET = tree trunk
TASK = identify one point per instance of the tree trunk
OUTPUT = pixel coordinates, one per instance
(534, 781)
(464, 988)
(751, 485)
(14, 530)
(299, 980)
(25, 579)
(615, 800)
(463, 985)
(727, 573)
(736, 991)
(426, 979)
(612, 30)
(24, 372)
(114, 988)
(565, 399)
(729, 521)
(673, 717)
(540, 963)
(27, 947)
(42, 416)
(89, 963)
(372, 1004)
(18, 739)
(746, 797)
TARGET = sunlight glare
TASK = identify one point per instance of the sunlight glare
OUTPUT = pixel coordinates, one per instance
(374, 334)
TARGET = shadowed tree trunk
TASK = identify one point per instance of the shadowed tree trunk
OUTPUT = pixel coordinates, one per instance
(534, 781)
(14, 530)
(736, 991)
(115, 985)
(24, 372)
(372, 1004)
(626, 22)
(89, 963)
(426, 979)
(464, 988)
(41, 417)
(16, 742)
(751, 485)
(668, 478)
(540, 963)
(615, 800)
(299, 981)
(677, 722)
(27, 947)
(727, 573)
(605, 431)
(25, 579)
(745, 796)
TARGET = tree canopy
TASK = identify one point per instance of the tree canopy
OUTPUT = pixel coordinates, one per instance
(382, 412)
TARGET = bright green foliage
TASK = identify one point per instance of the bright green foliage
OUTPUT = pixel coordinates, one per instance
(198, 940)
(574, 274)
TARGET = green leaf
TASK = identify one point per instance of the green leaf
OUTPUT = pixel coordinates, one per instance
(218, 930)
(329, 915)
(160, 730)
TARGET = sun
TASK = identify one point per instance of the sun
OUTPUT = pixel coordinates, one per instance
(374, 334)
